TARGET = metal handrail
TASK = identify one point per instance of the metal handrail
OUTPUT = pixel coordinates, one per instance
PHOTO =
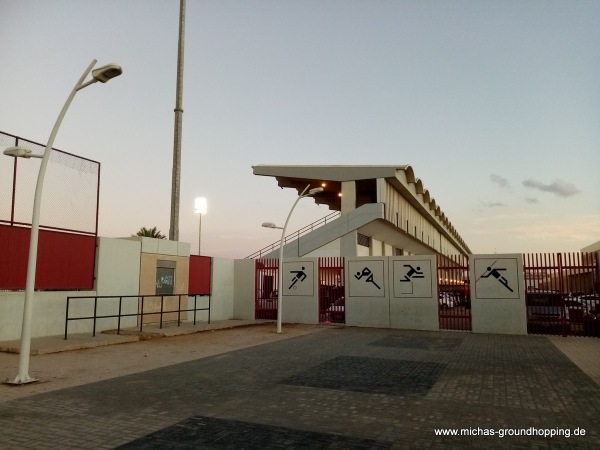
(162, 312)
(295, 235)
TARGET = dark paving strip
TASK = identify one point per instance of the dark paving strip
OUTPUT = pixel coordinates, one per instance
(371, 375)
(200, 432)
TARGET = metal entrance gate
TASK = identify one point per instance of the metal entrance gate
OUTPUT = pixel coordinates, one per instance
(265, 293)
(454, 299)
(562, 293)
(332, 303)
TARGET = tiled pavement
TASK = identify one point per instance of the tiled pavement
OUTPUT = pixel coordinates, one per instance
(342, 388)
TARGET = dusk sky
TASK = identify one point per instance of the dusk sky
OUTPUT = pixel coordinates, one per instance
(495, 105)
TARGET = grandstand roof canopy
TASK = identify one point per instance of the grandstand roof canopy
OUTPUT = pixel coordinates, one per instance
(329, 177)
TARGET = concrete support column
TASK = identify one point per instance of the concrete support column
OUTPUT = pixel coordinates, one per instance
(381, 191)
(348, 243)
(348, 196)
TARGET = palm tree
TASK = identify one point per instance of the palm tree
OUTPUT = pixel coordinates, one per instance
(150, 232)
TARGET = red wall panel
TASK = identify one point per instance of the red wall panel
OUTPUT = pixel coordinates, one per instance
(65, 261)
(200, 274)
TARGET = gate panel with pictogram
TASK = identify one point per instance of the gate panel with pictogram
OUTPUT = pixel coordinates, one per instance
(454, 297)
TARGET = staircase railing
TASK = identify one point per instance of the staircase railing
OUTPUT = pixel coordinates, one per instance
(295, 235)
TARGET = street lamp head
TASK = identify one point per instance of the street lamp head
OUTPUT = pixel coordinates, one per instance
(314, 191)
(105, 73)
(18, 152)
(269, 225)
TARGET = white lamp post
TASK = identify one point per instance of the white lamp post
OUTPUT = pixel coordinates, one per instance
(200, 207)
(102, 74)
(280, 274)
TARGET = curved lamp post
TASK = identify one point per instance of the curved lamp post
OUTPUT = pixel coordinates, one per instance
(302, 195)
(101, 74)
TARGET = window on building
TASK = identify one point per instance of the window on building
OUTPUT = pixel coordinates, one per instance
(363, 240)
(165, 277)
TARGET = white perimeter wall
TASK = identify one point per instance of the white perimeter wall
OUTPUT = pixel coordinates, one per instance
(118, 271)
(48, 317)
(243, 299)
(223, 290)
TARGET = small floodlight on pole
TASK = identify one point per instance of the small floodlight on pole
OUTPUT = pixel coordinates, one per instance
(102, 74)
(200, 208)
(302, 195)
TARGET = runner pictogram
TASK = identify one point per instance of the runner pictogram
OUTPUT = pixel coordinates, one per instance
(413, 273)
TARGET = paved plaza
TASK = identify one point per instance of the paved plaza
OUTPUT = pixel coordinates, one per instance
(313, 387)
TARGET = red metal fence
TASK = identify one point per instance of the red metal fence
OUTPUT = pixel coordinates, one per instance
(332, 302)
(562, 293)
(454, 299)
(265, 285)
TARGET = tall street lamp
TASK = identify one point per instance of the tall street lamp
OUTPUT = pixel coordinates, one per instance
(200, 208)
(302, 195)
(102, 74)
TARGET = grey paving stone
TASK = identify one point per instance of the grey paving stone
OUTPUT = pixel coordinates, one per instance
(381, 386)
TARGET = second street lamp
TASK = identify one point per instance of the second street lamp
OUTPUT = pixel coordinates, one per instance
(302, 195)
